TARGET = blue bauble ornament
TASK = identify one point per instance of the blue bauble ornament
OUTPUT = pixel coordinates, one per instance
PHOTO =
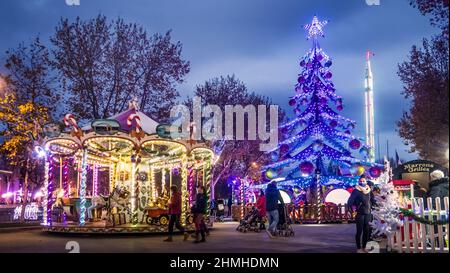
(364, 151)
(274, 156)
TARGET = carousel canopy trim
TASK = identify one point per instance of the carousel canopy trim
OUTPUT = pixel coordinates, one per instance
(148, 124)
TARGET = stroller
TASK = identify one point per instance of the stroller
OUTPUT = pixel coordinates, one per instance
(252, 222)
(218, 210)
(284, 227)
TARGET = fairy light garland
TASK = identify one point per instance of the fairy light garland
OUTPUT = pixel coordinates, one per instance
(241, 197)
(184, 191)
(133, 188)
(163, 179)
(191, 184)
(46, 192)
(50, 189)
(95, 180)
(153, 184)
(112, 177)
(66, 184)
(207, 180)
(83, 188)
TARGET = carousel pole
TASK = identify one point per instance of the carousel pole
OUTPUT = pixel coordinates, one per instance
(83, 187)
(78, 177)
(112, 177)
(60, 172)
(203, 175)
(153, 184)
(207, 181)
(241, 197)
(163, 180)
(94, 179)
(66, 184)
(190, 184)
(149, 184)
(319, 197)
(133, 188)
(184, 190)
(46, 193)
(170, 178)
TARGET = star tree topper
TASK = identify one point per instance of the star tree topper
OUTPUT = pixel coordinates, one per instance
(315, 28)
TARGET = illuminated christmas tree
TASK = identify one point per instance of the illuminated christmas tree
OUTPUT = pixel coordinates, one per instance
(386, 219)
(318, 140)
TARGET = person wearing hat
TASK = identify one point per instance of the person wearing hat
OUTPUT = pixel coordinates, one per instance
(361, 200)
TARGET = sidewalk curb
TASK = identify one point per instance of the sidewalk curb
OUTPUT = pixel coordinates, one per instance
(18, 228)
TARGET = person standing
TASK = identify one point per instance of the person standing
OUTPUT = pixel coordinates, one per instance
(175, 214)
(261, 204)
(362, 201)
(199, 210)
(272, 197)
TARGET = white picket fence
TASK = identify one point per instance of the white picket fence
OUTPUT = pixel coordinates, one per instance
(417, 237)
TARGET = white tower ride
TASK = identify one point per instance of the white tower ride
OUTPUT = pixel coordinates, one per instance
(370, 126)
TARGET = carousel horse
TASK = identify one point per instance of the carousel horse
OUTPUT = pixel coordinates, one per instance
(97, 202)
(120, 199)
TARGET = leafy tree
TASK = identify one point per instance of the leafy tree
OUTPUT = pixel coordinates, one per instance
(104, 64)
(425, 127)
(27, 101)
(20, 121)
(30, 75)
(236, 157)
(438, 9)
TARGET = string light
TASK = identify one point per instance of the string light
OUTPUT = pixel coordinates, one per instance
(112, 177)
(66, 184)
(191, 184)
(184, 190)
(45, 190)
(95, 180)
(83, 187)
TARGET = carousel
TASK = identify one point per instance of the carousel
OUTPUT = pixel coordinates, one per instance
(114, 175)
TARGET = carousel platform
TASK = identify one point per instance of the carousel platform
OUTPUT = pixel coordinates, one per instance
(100, 227)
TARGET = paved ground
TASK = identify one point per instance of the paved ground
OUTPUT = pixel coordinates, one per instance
(224, 238)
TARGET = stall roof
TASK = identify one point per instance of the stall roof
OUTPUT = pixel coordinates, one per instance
(403, 182)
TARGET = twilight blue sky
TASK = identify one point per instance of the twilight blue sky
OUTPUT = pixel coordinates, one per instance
(260, 41)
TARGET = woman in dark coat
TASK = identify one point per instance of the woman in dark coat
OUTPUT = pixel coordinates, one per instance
(362, 201)
(199, 210)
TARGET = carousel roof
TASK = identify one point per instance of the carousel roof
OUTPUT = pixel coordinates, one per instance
(148, 124)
